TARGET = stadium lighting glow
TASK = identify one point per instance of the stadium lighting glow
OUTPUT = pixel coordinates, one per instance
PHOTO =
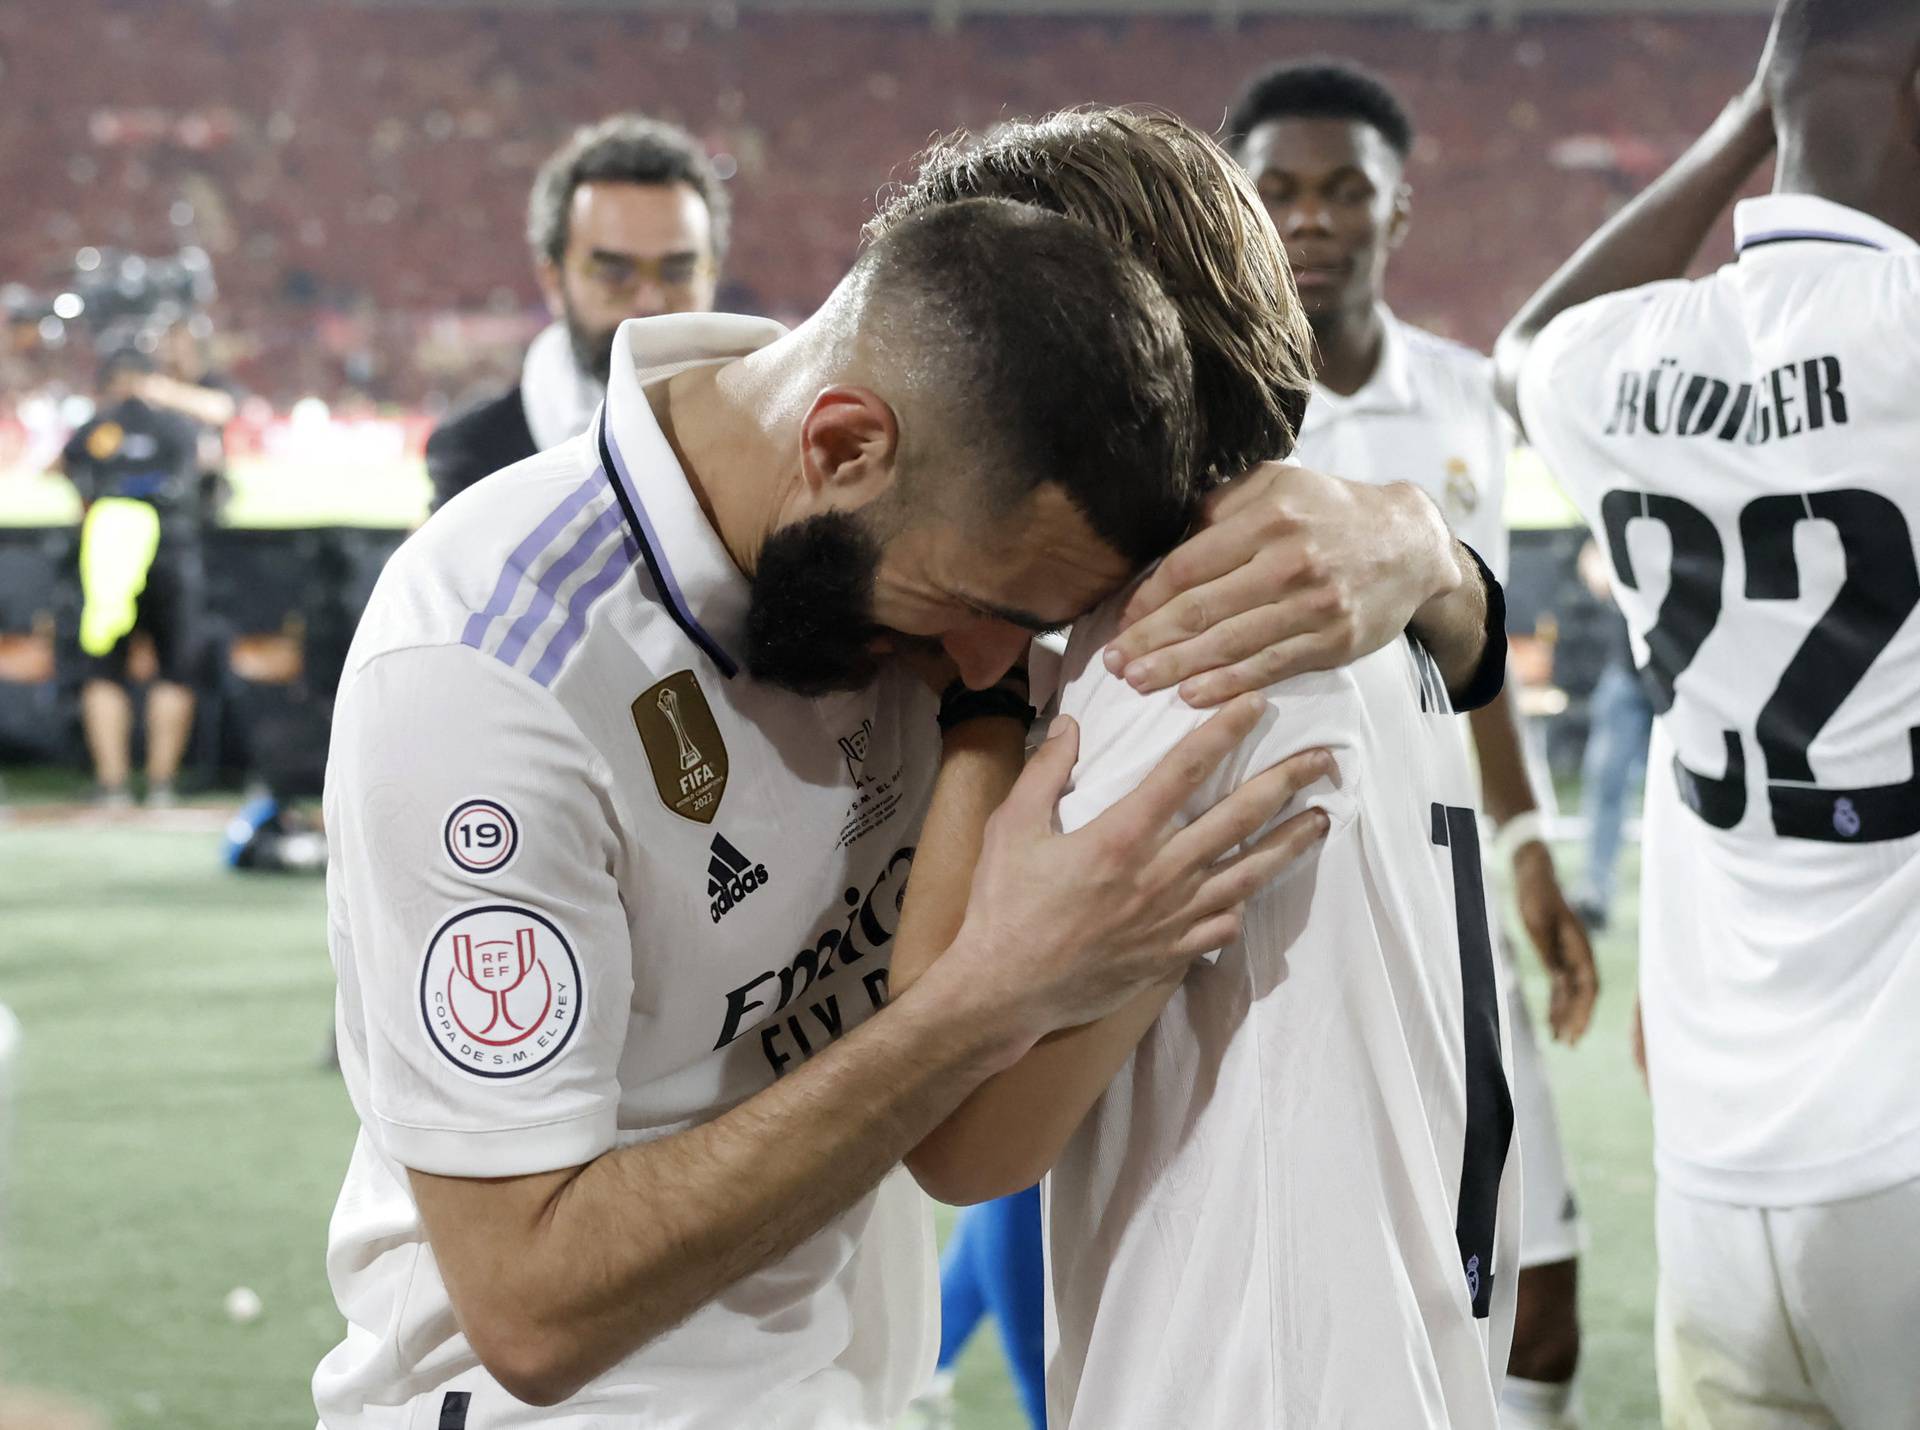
(87, 259)
(69, 306)
(309, 413)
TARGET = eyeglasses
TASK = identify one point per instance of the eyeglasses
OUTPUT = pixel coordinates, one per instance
(617, 275)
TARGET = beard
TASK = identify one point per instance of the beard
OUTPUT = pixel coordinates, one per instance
(810, 626)
(592, 348)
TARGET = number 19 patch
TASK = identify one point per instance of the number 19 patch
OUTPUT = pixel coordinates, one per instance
(482, 836)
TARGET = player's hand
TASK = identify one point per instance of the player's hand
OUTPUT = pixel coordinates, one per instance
(1292, 571)
(1072, 926)
(1560, 939)
(1754, 104)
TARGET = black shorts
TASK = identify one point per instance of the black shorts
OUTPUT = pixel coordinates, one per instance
(171, 611)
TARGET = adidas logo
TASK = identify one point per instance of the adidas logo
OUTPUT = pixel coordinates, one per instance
(731, 876)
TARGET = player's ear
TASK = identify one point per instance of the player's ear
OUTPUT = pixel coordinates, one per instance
(1402, 214)
(849, 447)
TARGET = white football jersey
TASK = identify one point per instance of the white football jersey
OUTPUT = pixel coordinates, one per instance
(1296, 1205)
(590, 884)
(1747, 446)
(1427, 416)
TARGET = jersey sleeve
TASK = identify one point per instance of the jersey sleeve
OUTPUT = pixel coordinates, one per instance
(1565, 366)
(476, 920)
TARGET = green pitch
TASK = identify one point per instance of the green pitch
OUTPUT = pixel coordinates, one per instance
(173, 1139)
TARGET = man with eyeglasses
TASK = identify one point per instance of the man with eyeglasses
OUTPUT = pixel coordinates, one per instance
(627, 220)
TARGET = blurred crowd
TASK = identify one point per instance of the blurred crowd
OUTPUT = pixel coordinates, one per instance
(357, 177)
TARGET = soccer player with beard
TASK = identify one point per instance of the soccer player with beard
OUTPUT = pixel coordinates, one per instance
(627, 220)
(608, 1029)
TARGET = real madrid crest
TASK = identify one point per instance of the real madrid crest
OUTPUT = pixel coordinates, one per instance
(1462, 495)
(684, 748)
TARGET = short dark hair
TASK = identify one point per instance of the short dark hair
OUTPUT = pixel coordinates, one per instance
(621, 149)
(1051, 353)
(1170, 196)
(1321, 89)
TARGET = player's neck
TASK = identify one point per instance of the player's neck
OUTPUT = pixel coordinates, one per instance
(1891, 206)
(1851, 154)
(727, 453)
(1347, 347)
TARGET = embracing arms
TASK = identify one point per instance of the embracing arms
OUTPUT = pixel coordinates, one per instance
(558, 1275)
(1296, 571)
(1008, 1132)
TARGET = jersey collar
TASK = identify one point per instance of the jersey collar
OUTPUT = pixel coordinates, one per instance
(1389, 389)
(1802, 218)
(703, 590)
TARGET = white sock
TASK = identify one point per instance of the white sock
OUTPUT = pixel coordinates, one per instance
(1539, 1405)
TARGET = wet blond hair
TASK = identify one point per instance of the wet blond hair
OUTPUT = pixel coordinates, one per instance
(1178, 202)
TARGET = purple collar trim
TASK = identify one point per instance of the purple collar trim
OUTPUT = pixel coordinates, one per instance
(654, 552)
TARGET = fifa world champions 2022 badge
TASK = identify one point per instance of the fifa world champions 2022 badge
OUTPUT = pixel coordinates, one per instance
(684, 749)
(500, 991)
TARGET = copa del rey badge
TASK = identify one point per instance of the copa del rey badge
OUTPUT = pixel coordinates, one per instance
(500, 991)
(684, 749)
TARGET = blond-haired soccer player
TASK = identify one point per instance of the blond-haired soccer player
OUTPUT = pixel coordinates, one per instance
(1281, 1189)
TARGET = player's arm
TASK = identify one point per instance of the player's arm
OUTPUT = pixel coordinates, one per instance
(557, 1276)
(208, 406)
(558, 1268)
(1011, 1130)
(967, 1158)
(1552, 927)
(1295, 571)
(1655, 237)
(1555, 930)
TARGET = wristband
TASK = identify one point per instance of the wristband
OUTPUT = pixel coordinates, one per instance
(1521, 829)
(1008, 700)
(1491, 674)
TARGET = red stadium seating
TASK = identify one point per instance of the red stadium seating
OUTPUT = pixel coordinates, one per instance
(360, 174)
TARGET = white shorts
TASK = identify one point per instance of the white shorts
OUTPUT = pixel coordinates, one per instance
(1550, 1226)
(1789, 1318)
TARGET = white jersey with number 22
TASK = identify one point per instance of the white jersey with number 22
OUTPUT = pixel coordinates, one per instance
(1747, 446)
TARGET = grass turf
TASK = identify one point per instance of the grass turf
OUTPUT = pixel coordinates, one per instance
(173, 1139)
